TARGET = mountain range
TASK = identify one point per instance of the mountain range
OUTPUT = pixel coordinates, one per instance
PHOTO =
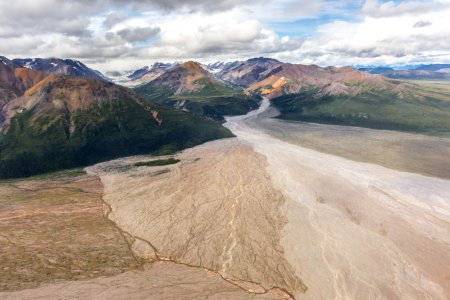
(59, 113)
(191, 87)
(53, 121)
(344, 95)
(142, 75)
(59, 66)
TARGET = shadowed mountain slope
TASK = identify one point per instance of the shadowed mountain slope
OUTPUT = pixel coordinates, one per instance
(64, 122)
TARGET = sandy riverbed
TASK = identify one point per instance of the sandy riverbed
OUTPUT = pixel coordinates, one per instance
(358, 230)
(408, 152)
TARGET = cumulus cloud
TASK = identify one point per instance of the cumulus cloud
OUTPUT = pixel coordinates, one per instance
(206, 35)
(38, 17)
(120, 34)
(397, 39)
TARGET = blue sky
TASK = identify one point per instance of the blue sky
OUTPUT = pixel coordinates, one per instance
(306, 27)
(122, 35)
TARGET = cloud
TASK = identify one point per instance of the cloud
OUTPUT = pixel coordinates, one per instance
(114, 18)
(376, 9)
(420, 24)
(397, 39)
(139, 34)
(114, 33)
(199, 35)
(191, 5)
(38, 17)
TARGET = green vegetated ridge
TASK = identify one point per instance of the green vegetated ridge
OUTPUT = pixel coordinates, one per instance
(46, 141)
(379, 109)
(192, 88)
(212, 101)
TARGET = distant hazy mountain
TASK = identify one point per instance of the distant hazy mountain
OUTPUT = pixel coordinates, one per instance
(418, 75)
(377, 70)
(191, 87)
(60, 66)
(430, 72)
(219, 66)
(142, 75)
(138, 73)
(434, 67)
(50, 122)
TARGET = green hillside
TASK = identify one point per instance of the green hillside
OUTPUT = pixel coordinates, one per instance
(37, 142)
(373, 109)
(213, 100)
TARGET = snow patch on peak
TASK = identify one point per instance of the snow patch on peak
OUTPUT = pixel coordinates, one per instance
(28, 65)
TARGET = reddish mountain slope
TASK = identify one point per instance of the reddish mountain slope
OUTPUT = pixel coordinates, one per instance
(273, 78)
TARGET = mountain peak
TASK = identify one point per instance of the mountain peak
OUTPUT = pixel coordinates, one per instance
(192, 65)
(139, 72)
(59, 66)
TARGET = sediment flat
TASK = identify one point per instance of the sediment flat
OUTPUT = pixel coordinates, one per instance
(357, 230)
(57, 244)
(215, 209)
(402, 151)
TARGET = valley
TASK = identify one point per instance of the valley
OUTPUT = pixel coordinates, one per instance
(225, 150)
(288, 221)
(267, 206)
(191, 87)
